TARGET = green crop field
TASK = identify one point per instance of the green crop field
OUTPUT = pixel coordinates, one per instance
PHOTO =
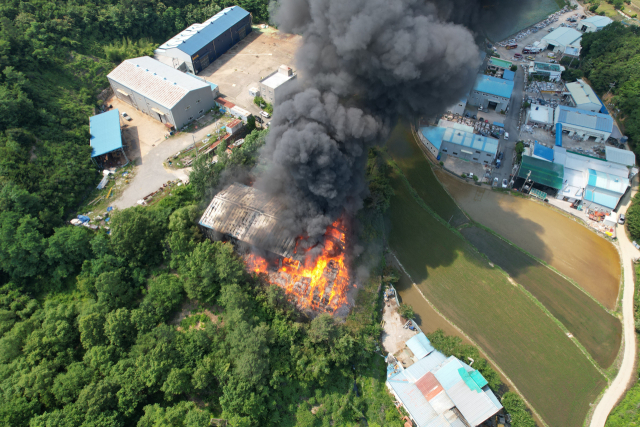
(412, 162)
(545, 365)
(597, 330)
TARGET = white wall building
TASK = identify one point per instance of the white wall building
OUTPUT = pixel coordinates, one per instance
(593, 24)
(276, 84)
(585, 124)
(561, 38)
(583, 96)
(540, 115)
(552, 71)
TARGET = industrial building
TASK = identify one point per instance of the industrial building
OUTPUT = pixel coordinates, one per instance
(106, 137)
(459, 107)
(622, 157)
(598, 183)
(540, 115)
(199, 45)
(436, 390)
(498, 64)
(584, 98)
(560, 39)
(491, 93)
(161, 92)
(594, 24)
(542, 152)
(460, 143)
(543, 69)
(585, 124)
(540, 174)
(275, 86)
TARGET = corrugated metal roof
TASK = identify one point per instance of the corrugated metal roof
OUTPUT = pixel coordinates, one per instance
(466, 139)
(225, 103)
(413, 400)
(425, 365)
(105, 133)
(250, 216)
(616, 155)
(493, 86)
(509, 75)
(497, 62)
(434, 135)
(194, 38)
(429, 386)
(582, 93)
(420, 345)
(602, 197)
(598, 21)
(155, 80)
(441, 402)
(448, 374)
(585, 119)
(542, 172)
(474, 406)
(583, 163)
(545, 153)
(605, 181)
(564, 36)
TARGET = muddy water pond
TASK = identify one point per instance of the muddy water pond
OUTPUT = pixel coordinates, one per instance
(563, 243)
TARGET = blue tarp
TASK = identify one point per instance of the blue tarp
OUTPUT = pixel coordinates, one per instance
(84, 218)
(105, 133)
(559, 134)
(498, 124)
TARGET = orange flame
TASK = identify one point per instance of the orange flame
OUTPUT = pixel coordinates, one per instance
(318, 283)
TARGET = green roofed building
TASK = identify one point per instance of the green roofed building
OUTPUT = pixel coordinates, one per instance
(496, 63)
(546, 176)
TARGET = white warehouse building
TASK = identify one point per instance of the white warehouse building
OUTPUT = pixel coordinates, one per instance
(560, 39)
(594, 24)
(584, 97)
(162, 92)
(585, 124)
(275, 85)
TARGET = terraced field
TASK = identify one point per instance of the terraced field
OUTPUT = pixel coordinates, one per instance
(547, 367)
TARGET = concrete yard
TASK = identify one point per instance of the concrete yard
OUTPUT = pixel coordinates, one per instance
(248, 62)
(394, 335)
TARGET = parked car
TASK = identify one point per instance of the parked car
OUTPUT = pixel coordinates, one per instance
(264, 114)
(506, 135)
(470, 175)
(258, 119)
(474, 117)
(500, 155)
(498, 163)
(636, 245)
(517, 55)
(466, 114)
(530, 58)
(126, 116)
(496, 181)
(621, 219)
(504, 183)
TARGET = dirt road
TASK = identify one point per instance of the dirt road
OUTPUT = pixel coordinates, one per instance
(616, 390)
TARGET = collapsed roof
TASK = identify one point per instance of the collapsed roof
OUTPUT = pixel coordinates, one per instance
(250, 216)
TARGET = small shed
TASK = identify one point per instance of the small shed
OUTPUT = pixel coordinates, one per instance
(106, 136)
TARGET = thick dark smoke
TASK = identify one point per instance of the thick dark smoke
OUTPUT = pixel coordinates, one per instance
(362, 64)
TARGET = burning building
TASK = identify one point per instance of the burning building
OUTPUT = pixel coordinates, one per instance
(317, 278)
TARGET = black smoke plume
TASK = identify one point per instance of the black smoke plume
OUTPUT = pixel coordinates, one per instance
(362, 64)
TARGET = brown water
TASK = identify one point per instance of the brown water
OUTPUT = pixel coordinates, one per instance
(562, 242)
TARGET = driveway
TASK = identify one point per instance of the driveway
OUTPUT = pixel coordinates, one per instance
(618, 387)
(150, 171)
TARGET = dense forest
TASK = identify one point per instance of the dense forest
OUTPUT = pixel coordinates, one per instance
(609, 60)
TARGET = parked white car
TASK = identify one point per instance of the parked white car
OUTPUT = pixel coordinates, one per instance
(506, 135)
(264, 114)
(126, 116)
(504, 183)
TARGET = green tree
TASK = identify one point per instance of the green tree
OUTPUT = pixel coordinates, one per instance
(183, 414)
(119, 329)
(515, 406)
(66, 250)
(406, 311)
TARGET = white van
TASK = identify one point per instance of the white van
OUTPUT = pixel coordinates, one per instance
(506, 135)
(264, 114)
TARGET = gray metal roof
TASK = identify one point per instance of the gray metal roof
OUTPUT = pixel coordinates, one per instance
(155, 80)
(623, 157)
(250, 216)
(585, 119)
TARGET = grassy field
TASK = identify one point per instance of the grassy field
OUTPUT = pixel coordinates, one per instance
(412, 162)
(597, 330)
(545, 365)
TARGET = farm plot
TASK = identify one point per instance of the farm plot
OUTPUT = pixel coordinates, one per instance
(418, 171)
(598, 331)
(547, 367)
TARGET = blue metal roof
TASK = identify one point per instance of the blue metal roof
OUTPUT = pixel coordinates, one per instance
(501, 125)
(602, 197)
(105, 133)
(598, 21)
(509, 75)
(559, 134)
(466, 139)
(543, 152)
(434, 135)
(586, 119)
(493, 86)
(420, 345)
(220, 23)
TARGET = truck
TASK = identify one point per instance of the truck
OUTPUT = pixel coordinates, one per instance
(511, 46)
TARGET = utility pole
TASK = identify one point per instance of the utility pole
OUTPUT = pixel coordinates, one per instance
(194, 145)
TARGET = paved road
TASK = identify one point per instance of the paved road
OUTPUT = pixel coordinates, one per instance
(150, 172)
(619, 385)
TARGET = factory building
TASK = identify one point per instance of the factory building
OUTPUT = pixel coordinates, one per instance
(585, 124)
(621, 157)
(491, 93)
(560, 39)
(163, 93)
(436, 390)
(594, 24)
(598, 183)
(540, 115)
(199, 45)
(275, 85)
(584, 98)
(538, 173)
(551, 71)
(460, 143)
(458, 108)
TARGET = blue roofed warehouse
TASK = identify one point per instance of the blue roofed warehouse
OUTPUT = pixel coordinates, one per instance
(491, 93)
(199, 45)
(106, 137)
